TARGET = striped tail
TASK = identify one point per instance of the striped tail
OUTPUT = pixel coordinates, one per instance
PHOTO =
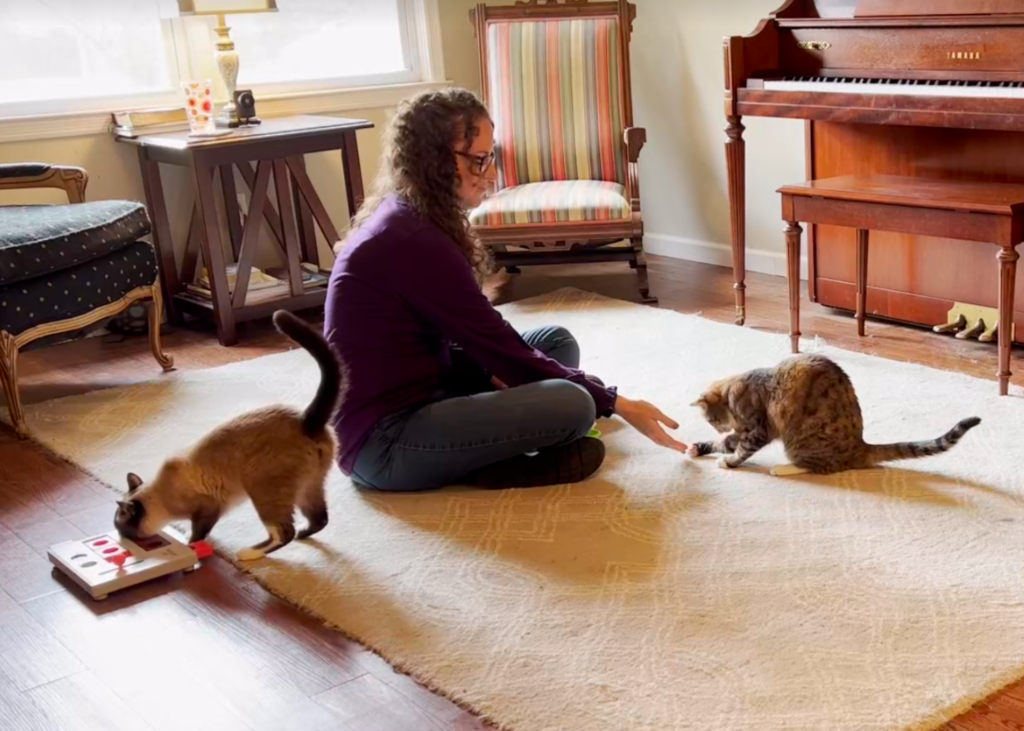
(912, 450)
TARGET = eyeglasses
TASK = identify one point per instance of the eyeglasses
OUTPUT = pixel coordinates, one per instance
(478, 164)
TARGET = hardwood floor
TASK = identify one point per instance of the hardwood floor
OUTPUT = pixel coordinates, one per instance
(213, 650)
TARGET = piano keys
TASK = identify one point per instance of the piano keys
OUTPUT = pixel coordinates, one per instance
(904, 87)
(900, 87)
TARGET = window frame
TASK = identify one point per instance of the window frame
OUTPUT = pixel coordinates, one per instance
(190, 48)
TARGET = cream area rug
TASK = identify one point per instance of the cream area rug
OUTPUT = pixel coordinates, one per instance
(665, 593)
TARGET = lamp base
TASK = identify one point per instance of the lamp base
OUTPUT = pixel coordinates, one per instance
(226, 58)
(250, 122)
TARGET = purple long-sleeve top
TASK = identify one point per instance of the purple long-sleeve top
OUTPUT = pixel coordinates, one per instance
(401, 293)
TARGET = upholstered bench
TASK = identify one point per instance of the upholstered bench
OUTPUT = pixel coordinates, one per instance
(65, 267)
(991, 213)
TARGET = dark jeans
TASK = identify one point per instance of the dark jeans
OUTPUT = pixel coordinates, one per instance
(439, 444)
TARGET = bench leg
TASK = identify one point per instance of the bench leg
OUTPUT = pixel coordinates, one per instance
(156, 321)
(1007, 278)
(9, 382)
(862, 278)
(793, 234)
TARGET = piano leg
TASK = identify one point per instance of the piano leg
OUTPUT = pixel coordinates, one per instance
(793, 234)
(735, 156)
(1007, 257)
(862, 278)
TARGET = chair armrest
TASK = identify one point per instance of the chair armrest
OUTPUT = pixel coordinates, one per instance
(19, 176)
(635, 138)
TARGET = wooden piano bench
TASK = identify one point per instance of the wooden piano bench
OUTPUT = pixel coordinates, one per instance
(987, 212)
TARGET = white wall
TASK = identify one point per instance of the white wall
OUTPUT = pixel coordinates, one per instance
(678, 87)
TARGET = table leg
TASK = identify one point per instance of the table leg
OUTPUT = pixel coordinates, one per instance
(793, 234)
(735, 157)
(213, 254)
(353, 172)
(162, 241)
(1007, 279)
(862, 278)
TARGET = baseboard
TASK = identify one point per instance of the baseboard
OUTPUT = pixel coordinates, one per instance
(705, 252)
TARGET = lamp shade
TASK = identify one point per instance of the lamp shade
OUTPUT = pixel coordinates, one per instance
(176, 8)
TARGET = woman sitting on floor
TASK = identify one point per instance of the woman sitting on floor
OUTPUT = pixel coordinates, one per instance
(443, 390)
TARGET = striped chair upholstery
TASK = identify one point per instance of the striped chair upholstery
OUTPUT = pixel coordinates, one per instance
(559, 201)
(556, 96)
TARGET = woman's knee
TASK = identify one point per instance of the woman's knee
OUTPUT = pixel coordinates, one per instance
(572, 407)
(556, 342)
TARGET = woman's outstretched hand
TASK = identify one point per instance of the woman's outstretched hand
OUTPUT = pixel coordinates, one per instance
(649, 421)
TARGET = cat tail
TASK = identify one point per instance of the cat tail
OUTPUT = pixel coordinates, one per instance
(911, 450)
(333, 379)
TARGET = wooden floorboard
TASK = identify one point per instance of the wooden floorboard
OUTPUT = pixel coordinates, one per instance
(213, 651)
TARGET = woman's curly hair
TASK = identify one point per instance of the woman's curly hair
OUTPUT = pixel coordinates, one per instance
(418, 164)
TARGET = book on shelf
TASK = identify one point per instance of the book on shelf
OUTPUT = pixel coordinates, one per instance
(251, 297)
(264, 285)
(132, 123)
(311, 275)
(258, 279)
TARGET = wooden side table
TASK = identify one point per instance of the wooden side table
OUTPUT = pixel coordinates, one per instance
(988, 212)
(277, 147)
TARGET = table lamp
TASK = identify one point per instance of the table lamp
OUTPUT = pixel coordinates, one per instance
(225, 55)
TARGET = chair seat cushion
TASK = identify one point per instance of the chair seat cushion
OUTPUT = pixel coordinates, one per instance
(564, 201)
(36, 240)
(77, 290)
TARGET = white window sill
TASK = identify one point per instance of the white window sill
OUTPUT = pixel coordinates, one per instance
(82, 124)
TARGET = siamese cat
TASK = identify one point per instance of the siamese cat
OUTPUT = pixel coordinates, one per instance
(278, 457)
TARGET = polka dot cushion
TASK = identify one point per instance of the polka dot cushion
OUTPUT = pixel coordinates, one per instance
(75, 291)
(40, 240)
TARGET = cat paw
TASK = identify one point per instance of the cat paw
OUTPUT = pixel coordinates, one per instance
(693, 450)
(723, 463)
(250, 554)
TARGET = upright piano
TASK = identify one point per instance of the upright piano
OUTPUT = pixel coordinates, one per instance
(902, 87)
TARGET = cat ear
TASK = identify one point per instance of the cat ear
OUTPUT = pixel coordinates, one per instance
(699, 402)
(134, 481)
(711, 398)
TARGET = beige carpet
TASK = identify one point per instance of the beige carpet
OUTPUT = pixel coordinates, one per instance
(667, 593)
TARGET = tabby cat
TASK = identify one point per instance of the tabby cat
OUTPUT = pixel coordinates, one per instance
(277, 456)
(809, 403)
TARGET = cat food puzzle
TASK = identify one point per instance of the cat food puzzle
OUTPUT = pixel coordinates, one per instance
(108, 562)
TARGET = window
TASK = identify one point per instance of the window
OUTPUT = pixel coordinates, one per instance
(354, 42)
(55, 50)
(103, 55)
